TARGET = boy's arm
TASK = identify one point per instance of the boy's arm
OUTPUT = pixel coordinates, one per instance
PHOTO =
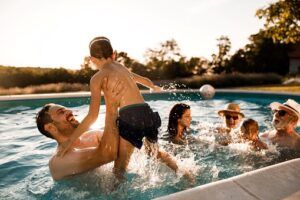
(145, 82)
(95, 87)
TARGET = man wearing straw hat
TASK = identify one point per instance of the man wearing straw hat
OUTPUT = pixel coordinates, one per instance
(286, 117)
(232, 116)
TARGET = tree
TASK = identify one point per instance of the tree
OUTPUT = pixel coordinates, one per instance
(166, 61)
(133, 65)
(168, 51)
(197, 65)
(282, 21)
(220, 60)
(124, 59)
(261, 55)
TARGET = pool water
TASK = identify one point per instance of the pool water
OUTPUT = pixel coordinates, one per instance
(24, 172)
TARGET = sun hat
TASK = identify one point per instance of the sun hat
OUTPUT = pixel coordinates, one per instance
(290, 105)
(231, 108)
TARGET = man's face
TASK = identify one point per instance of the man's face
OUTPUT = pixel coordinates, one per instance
(282, 118)
(63, 119)
(232, 120)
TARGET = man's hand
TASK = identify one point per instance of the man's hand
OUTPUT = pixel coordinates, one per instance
(113, 94)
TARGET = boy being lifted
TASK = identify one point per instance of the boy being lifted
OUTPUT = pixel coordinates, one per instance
(136, 119)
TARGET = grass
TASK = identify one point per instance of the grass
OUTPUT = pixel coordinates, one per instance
(255, 82)
(47, 88)
(225, 80)
(273, 88)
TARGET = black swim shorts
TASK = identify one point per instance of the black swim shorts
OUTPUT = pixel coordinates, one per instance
(138, 121)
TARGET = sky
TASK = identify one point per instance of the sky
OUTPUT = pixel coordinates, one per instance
(56, 33)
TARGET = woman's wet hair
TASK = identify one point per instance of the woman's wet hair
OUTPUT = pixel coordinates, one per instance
(175, 114)
(43, 118)
(100, 47)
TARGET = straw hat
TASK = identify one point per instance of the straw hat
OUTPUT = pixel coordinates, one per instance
(231, 108)
(290, 105)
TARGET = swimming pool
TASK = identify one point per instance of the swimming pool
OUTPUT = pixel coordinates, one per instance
(24, 172)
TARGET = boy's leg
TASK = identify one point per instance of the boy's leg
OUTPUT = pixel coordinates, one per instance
(125, 151)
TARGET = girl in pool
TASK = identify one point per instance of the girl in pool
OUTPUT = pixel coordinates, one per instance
(179, 122)
(250, 131)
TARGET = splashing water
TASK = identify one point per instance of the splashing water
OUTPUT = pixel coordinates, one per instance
(24, 172)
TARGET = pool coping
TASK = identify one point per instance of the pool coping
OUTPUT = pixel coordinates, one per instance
(279, 181)
(87, 94)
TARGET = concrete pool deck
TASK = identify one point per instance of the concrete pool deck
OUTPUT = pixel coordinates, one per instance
(280, 181)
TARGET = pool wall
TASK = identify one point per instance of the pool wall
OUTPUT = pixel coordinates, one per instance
(144, 92)
(280, 181)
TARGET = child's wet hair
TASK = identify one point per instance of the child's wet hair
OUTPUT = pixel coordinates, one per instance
(248, 124)
(100, 47)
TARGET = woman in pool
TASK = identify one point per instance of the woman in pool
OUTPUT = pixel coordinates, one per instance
(179, 122)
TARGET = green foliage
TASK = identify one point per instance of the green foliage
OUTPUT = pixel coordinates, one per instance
(220, 60)
(227, 80)
(22, 77)
(282, 21)
(261, 55)
(45, 88)
(166, 62)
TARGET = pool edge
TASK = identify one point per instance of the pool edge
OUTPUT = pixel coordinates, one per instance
(279, 181)
(87, 94)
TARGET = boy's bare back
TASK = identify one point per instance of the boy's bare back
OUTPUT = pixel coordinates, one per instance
(115, 72)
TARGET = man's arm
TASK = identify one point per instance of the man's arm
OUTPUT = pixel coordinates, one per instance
(91, 117)
(167, 159)
(145, 82)
(78, 161)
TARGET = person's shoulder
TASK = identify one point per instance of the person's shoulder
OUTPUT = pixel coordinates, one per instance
(297, 143)
(91, 137)
(92, 132)
(260, 145)
(53, 165)
(267, 135)
(97, 78)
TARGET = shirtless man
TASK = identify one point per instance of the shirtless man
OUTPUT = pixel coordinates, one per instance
(91, 150)
(286, 118)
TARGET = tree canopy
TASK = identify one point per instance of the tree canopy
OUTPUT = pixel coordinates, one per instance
(282, 20)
